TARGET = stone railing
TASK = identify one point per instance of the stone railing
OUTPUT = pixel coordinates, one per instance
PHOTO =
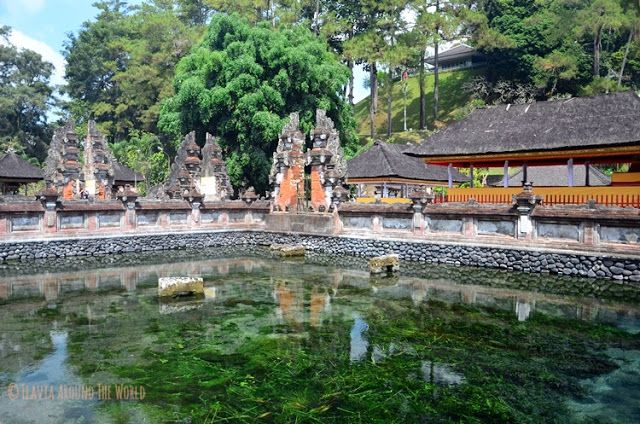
(52, 218)
(524, 223)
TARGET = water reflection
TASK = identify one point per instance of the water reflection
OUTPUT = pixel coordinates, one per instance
(291, 305)
(441, 374)
(48, 376)
(257, 296)
(359, 343)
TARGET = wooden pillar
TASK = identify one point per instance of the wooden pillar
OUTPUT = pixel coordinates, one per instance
(471, 175)
(505, 179)
(570, 173)
(524, 173)
(450, 175)
(385, 191)
(587, 177)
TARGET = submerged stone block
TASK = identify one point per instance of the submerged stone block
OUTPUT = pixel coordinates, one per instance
(180, 286)
(385, 263)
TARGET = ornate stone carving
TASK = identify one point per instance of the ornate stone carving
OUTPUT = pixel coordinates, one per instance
(328, 165)
(62, 167)
(215, 182)
(197, 172)
(287, 170)
(98, 164)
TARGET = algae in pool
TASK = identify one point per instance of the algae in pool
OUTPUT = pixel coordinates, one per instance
(278, 341)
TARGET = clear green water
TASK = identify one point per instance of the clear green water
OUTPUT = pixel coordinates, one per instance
(296, 341)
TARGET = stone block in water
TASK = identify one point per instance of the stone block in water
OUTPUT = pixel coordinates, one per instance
(288, 250)
(384, 263)
(180, 286)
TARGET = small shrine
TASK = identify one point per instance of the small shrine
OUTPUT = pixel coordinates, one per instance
(197, 172)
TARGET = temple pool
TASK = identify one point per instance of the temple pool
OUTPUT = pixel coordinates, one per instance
(313, 340)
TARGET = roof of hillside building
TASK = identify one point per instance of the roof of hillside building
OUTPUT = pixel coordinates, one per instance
(557, 176)
(456, 51)
(125, 174)
(581, 122)
(14, 167)
(388, 160)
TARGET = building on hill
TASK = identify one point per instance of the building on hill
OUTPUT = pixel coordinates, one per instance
(571, 133)
(459, 56)
(384, 169)
(16, 172)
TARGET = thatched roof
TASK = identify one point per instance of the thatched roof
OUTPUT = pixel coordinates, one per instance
(456, 52)
(606, 120)
(14, 167)
(122, 173)
(388, 160)
(556, 176)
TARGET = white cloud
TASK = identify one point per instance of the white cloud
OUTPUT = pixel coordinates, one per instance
(23, 41)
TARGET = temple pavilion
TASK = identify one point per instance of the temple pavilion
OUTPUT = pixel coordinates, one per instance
(385, 169)
(577, 132)
(16, 172)
(124, 176)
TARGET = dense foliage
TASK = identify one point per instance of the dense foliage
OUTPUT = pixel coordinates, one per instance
(242, 81)
(25, 96)
(121, 67)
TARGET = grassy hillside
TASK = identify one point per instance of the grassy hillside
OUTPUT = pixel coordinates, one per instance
(452, 97)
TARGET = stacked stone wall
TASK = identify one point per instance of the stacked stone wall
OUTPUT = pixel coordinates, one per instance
(517, 259)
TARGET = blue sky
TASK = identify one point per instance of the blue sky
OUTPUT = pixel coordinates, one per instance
(43, 25)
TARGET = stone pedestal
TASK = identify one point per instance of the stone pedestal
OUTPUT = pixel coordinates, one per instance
(420, 198)
(49, 199)
(128, 198)
(525, 202)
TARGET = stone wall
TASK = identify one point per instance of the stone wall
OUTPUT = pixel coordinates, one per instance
(526, 260)
(580, 241)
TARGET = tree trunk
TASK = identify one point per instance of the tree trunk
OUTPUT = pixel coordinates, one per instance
(389, 102)
(350, 64)
(624, 58)
(436, 70)
(423, 106)
(316, 17)
(436, 83)
(597, 44)
(373, 106)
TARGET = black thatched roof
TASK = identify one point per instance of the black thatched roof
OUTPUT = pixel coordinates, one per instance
(388, 160)
(454, 53)
(611, 119)
(125, 174)
(14, 167)
(556, 176)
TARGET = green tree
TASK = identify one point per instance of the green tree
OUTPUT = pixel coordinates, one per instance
(25, 97)
(632, 24)
(593, 20)
(143, 152)
(120, 66)
(241, 82)
(382, 22)
(554, 67)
